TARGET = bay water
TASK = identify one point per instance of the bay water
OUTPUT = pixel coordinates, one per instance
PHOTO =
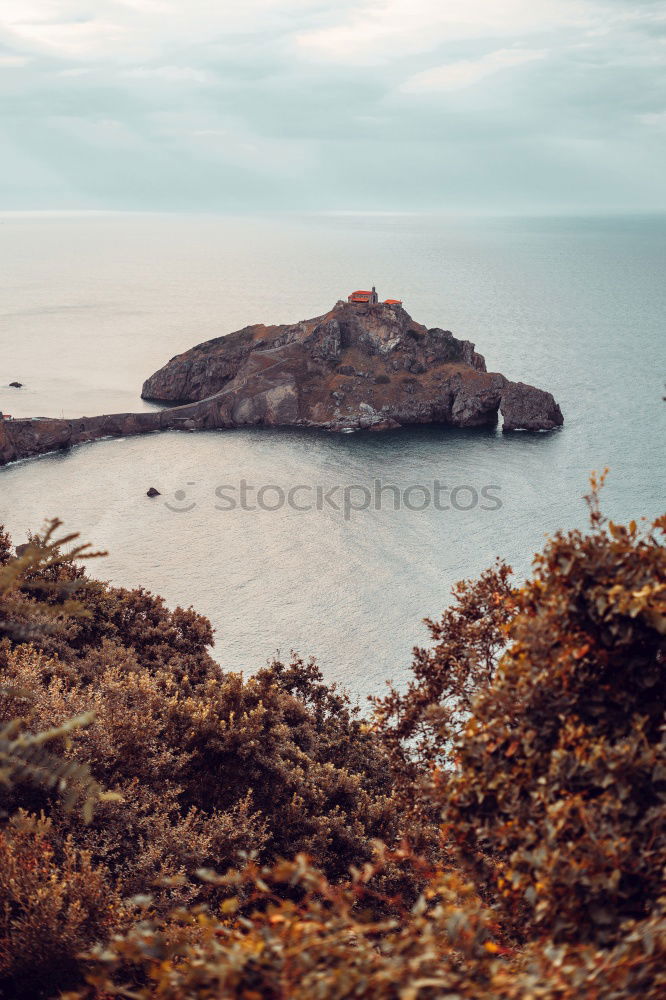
(91, 304)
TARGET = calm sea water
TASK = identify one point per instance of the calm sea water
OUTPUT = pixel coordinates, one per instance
(91, 305)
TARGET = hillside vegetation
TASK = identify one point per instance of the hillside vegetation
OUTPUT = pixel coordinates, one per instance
(495, 831)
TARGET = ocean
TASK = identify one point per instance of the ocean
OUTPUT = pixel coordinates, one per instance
(91, 304)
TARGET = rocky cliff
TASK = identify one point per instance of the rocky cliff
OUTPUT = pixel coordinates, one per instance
(355, 367)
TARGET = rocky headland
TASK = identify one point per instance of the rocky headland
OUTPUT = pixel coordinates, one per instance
(356, 367)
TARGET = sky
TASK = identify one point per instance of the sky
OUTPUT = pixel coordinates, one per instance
(471, 106)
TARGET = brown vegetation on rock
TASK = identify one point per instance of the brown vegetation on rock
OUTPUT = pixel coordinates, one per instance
(339, 371)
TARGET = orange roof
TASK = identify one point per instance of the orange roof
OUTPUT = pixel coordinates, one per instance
(362, 291)
(392, 302)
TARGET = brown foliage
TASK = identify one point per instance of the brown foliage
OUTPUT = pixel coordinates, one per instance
(37, 586)
(47, 599)
(5, 547)
(327, 942)
(526, 760)
(53, 904)
(561, 774)
(420, 726)
(203, 765)
(302, 776)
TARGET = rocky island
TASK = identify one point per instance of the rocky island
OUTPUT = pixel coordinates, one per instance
(363, 365)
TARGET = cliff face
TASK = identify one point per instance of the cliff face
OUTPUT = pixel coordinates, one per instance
(355, 367)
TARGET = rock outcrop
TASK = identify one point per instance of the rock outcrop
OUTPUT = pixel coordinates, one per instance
(357, 367)
(525, 408)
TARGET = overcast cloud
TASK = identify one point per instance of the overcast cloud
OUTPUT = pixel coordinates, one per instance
(394, 105)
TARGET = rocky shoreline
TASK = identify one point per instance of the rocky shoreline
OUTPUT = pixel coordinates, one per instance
(356, 367)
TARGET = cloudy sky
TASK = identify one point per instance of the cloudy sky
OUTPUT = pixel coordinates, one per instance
(384, 105)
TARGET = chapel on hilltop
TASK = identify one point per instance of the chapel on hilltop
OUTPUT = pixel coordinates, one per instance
(370, 298)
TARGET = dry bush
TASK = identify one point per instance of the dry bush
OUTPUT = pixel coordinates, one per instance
(560, 789)
(54, 903)
(302, 937)
(328, 943)
(527, 758)
(289, 774)
(419, 727)
(204, 767)
(46, 598)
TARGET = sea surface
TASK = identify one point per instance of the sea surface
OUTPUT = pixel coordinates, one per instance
(92, 304)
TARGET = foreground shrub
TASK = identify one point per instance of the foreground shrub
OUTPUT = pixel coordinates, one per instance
(286, 773)
(420, 727)
(527, 760)
(559, 794)
(47, 599)
(202, 766)
(325, 943)
(54, 903)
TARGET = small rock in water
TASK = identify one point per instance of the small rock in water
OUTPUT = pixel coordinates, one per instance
(16, 385)
(152, 492)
